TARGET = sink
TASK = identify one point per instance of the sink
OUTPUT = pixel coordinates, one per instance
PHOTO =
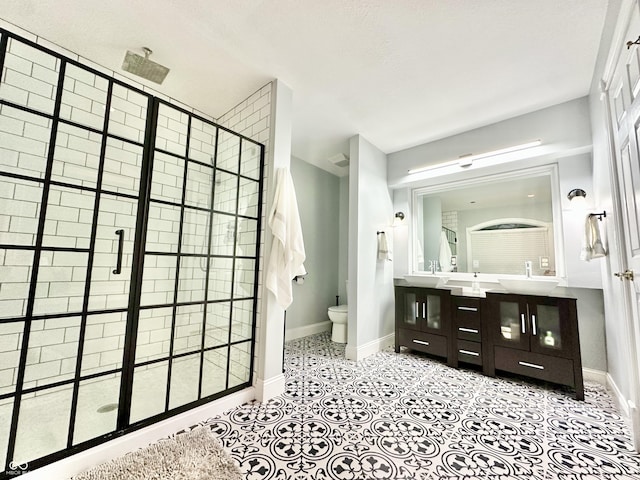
(432, 280)
(531, 286)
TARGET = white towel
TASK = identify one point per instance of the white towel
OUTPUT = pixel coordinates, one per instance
(383, 248)
(445, 253)
(591, 242)
(287, 251)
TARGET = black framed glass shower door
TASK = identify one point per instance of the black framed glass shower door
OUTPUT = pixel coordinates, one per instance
(129, 237)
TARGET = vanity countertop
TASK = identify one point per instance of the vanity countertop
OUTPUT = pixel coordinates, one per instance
(466, 291)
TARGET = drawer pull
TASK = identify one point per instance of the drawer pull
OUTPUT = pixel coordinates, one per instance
(532, 365)
(468, 309)
(420, 342)
(467, 330)
(469, 352)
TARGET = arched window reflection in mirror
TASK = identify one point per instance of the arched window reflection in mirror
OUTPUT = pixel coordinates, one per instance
(490, 224)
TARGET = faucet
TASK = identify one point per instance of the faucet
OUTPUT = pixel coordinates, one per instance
(528, 269)
(433, 266)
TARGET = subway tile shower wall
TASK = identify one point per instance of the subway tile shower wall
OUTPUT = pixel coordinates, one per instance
(73, 144)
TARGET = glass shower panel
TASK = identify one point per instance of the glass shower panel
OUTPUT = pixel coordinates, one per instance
(61, 282)
(239, 363)
(104, 341)
(149, 391)
(154, 334)
(77, 156)
(185, 373)
(223, 234)
(158, 280)
(128, 114)
(20, 202)
(244, 278)
(226, 192)
(24, 142)
(202, 142)
(122, 167)
(171, 130)
(29, 77)
(247, 237)
(191, 280)
(35, 438)
(217, 328)
(220, 273)
(15, 277)
(84, 98)
(115, 234)
(10, 344)
(242, 320)
(163, 228)
(195, 232)
(69, 218)
(52, 352)
(228, 157)
(250, 160)
(199, 185)
(166, 179)
(248, 198)
(187, 334)
(214, 371)
(97, 409)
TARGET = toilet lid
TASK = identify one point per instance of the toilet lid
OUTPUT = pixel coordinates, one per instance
(339, 308)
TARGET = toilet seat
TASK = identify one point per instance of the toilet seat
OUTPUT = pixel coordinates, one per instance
(339, 308)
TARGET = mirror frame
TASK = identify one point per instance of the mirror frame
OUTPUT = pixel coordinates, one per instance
(550, 170)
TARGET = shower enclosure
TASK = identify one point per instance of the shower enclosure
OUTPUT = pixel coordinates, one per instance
(129, 237)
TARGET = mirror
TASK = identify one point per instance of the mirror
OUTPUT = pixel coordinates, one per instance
(489, 225)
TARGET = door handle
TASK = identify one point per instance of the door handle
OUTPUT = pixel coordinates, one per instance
(534, 326)
(523, 324)
(118, 269)
(626, 275)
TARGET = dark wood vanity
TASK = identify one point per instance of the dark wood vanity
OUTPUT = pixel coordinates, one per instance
(528, 335)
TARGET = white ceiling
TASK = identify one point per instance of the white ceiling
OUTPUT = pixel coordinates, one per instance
(401, 72)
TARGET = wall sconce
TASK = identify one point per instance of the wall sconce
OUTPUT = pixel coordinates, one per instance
(577, 197)
(398, 218)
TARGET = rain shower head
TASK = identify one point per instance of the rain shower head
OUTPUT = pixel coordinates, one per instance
(143, 67)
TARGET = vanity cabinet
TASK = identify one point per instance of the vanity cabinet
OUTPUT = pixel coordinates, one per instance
(534, 336)
(467, 326)
(423, 320)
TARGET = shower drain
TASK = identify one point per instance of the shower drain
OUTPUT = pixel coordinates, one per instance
(109, 407)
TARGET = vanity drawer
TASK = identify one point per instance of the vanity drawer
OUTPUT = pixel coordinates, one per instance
(469, 352)
(469, 331)
(424, 342)
(535, 365)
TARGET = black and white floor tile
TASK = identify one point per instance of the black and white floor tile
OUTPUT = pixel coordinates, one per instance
(405, 416)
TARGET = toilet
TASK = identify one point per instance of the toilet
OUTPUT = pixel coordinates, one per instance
(338, 315)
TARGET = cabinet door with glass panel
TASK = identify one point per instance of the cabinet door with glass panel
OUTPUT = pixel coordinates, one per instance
(424, 309)
(536, 324)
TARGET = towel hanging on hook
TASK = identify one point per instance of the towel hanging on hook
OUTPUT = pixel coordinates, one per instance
(383, 247)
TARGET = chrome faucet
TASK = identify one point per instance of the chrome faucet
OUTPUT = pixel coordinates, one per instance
(528, 269)
(433, 266)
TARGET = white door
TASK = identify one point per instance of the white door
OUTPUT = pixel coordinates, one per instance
(623, 95)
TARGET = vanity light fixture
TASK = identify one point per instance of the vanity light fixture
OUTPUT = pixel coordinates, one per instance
(467, 160)
(577, 197)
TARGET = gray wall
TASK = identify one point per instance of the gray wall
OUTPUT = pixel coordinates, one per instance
(318, 194)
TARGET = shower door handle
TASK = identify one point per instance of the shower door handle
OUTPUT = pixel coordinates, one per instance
(118, 269)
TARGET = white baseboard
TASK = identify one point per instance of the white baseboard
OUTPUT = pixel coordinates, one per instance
(371, 348)
(266, 389)
(620, 399)
(117, 447)
(592, 375)
(306, 330)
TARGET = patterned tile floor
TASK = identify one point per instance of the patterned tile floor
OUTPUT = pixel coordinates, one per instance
(405, 416)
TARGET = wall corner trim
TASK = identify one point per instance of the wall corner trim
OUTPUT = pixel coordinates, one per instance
(272, 387)
(363, 351)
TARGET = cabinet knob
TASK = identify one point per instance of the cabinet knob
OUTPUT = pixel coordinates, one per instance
(626, 275)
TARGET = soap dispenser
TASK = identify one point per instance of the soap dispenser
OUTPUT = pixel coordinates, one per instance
(475, 284)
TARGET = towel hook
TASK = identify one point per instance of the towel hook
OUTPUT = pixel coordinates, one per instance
(381, 231)
(599, 215)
